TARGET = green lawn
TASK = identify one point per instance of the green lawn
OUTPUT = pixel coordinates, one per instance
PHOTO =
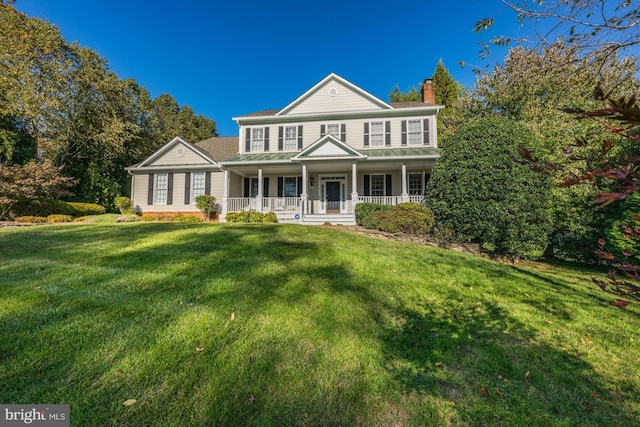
(229, 324)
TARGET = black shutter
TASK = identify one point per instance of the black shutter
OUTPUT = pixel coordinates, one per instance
(387, 134)
(299, 186)
(247, 146)
(323, 130)
(425, 130)
(169, 188)
(187, 188)
(150, 194)
(387, 182)
(366, 134)
(280, 186)
(246, 188)
(280, 139)
(266, 139)
(367, 185)
(404, 132)
(265, 186)
(299, 137)
(343, 133)
(207, 183)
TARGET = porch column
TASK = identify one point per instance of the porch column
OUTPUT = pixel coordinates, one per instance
(304, 197)
(260, 191)
(405, 193)
(354, 185)
(225, 194)
(424, 184)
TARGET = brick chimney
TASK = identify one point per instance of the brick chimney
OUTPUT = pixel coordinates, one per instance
(428, 93)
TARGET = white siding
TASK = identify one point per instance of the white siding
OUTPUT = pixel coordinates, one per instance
(345, 99)
(170, 157)
(141, 191)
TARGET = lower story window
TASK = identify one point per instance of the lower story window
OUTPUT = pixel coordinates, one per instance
(377, 185)
(290, 186)
(415, 184)
(160, 188)
(197, 185)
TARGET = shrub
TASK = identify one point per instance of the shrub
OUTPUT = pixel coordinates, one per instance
(31, 219)
(186, 218)
(59, 218)
(82, 209)
(42, 207)
(207, 205)
(270, 217)
(251, 216)
(410, 218)
(480, 192)
(128, 218)
(123, 204)
(363, 210)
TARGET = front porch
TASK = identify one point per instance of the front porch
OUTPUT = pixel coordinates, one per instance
(313, 211)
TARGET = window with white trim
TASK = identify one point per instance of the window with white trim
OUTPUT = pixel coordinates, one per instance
(257, 139)
(160, 188)
(376, 134)
(414, 132)
(415, 184)
(197, 185)
(377, 185)
(333, 129)
(291, 138)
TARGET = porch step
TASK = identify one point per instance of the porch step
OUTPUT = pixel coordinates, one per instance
(334, 219)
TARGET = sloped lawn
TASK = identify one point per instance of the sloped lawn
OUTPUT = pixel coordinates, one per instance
(286, 325)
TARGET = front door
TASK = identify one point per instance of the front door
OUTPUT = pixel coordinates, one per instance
(333, 197)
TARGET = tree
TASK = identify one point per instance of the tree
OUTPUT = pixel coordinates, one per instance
(447, 92)
(479, 192)
(207, 205)
(413, 94)
(31, 181)
(598, 28)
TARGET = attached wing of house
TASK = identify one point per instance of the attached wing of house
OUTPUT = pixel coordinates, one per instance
(311, 162)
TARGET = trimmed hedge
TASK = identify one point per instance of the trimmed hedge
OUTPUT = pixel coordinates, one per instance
(363, 210)
(82, 209)
(31, 219)
(59, 218)
(252, 216)
(410, 218)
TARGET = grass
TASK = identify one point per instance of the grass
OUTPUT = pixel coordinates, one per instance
(231, 324)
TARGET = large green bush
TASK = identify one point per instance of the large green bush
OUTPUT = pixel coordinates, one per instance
(42, 208)
(410, 218)
(363, 210)
(480, 191)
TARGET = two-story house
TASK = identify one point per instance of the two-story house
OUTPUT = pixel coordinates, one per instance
(310, 162)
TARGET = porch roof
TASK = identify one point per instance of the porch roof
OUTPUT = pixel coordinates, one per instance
(371, 155)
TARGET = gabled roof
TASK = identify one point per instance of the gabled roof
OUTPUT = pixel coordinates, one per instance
(328, 147)
(168, 146)
(381, 104)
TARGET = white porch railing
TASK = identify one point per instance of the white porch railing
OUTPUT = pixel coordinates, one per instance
(281, 204)
(380, 200)
(416, 199)
(269, 204)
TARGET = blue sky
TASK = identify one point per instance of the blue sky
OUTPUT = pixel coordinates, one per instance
(230, 58)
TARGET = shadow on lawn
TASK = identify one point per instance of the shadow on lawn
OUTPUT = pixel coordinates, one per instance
(155, 301)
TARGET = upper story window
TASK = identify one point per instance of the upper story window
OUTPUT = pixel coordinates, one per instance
(333, 129)
(376, 135)
(414, 132)
(160, 188)
(197, 185)
(257, 139)
(290, 138)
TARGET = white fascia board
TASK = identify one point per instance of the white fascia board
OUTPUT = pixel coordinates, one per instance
(165, 148)
(144, 169)
(396, 112)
